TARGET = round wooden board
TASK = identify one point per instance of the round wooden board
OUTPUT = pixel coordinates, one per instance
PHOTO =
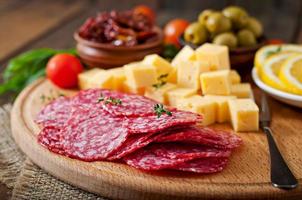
(245, 177)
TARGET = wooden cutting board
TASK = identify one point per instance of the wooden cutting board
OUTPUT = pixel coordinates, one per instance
(245, 177)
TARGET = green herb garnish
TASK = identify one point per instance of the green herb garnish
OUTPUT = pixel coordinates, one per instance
(101, 98)
(269, 53)
(113, 101)
(27, 67)
(161, 81)
(159, 110)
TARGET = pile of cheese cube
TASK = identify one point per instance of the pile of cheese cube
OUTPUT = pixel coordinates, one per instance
(199, 81)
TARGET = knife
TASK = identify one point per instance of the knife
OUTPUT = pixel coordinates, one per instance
(281, 176)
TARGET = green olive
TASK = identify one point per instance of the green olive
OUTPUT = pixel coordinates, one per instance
(203, 16)
(196, 33)
(246, 38)
(227, 39)
(255, 26)
(237, 15)
(218, 23)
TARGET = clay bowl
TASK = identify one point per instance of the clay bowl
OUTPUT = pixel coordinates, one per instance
(101, 55)
(240, 57)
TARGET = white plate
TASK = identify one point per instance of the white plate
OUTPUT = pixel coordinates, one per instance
(291, 99)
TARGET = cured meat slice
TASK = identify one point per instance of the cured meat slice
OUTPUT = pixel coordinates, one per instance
(93, 138)
(202, 135)
(56, 113)
(153, 123)
(131, 104)
(163, 156)
(203, 165)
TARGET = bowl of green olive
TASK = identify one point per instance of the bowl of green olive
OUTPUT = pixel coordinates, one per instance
(232, 27)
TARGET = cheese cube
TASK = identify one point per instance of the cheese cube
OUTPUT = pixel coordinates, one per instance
(222, 107)
(159, 94)
(85, 78)
(241, 90)
(235, 77)
(200, 105)
(185, 54)
(139, 75)
(188, 73)
(216, 55)
(128, 88)
(172, 76)
(119, 78)
(216, 83)
(179, 93)
(161, 65)
(101, 79)
(244, 115)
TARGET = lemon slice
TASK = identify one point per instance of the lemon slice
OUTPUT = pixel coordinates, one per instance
(269, 50)
(291, 74)
(269, 71)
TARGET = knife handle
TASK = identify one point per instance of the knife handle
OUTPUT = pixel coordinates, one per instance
(281, 176)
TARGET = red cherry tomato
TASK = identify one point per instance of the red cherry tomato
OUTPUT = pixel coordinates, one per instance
(275, 41)
(173, 31)
(63, 70)
(145, 10)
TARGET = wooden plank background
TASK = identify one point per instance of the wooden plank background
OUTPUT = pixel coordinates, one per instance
(29, 24)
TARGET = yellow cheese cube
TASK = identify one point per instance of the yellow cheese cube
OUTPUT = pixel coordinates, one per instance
(159, 94)
(241, 90)
(128, 88)
(185, 54)
(216, 55)
(172, 76)
(200, 105)
(244, 115)
(188, 73)
(101, 79)
(235, 77)
(85, 78)
(222, 107)
(119, 78)
(178, 93)
(216, 83)
(161, 65)
(139, 75)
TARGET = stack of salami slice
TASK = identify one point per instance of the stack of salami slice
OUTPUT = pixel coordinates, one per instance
(104, 125)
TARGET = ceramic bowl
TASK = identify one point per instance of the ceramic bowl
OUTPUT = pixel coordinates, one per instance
(95, 54)
(288, 98)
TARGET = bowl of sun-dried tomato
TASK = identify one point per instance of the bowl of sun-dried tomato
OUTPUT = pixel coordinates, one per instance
(115, 38)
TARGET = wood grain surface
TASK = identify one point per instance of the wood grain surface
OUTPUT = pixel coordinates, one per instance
(245, 177)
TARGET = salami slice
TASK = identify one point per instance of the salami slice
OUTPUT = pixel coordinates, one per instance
(203, 165)
(163, 156)
(202, 135)
(56, 113)
(153, 123)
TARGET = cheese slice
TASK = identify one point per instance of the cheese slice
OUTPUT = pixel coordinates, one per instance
(216, 82)
(222, 107)
(216, 55)
(185, 54)
(244, 115)
(188, 73)
(161, 65)
(179, 93)
(139, 75)
(235, 77)
(128, 88)
(198, 104)
(160, 94)
(119, 78)
(241, 90)
(85, 78)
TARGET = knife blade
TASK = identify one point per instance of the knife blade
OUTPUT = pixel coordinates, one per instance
(281, 176)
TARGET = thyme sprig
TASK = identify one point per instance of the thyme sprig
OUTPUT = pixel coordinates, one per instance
(159, 110)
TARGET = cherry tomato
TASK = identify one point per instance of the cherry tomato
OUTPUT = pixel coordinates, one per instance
(145, 10)
(173, 31)
(63, 70)
(275, 41)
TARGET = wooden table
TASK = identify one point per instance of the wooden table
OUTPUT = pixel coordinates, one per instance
(34, 24)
